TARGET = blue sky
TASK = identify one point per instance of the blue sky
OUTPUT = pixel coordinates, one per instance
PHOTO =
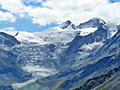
(25, 23)
(38, 15)
(113, 1)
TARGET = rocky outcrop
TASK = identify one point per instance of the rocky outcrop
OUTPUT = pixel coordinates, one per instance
(8, 40)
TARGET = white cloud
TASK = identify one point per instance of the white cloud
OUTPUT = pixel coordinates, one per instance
(42, 16)
(14, 6)
(6, 16)
(82, 10)
(34, 0)
(60, 10)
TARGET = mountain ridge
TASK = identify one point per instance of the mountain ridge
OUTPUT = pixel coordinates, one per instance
(60, 59)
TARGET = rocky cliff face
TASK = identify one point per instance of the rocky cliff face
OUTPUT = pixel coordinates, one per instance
(8, 40)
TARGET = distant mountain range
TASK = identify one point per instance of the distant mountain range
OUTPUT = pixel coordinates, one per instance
(68, 57)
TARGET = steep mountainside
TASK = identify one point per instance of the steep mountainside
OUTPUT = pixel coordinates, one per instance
(60, 58)
(104, 64)
(9, 70)
(108, 77)
(78, 59)
(111, 46)
(58, 55)
(8, 40)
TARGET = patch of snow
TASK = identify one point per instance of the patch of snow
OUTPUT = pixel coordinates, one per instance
(38, 71)
(19, 85)
(91, 46)
(25, 37)
(112, 29)
(29, 37)
(87, 31)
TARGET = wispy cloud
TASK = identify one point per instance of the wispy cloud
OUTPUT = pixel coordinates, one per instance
(7, 16)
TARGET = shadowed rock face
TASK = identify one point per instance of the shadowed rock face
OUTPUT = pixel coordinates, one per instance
(8, 40)
(9, 68)
(99, 67)
(108, 62)
(102, 65)
(111, 46)
(6, 87)
(9, 71)
(67, 24)
(78, 41)
(95, 23)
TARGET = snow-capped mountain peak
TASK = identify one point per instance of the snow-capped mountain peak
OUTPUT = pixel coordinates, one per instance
(68, 24)
(65, 24)
(99, 20)
(65, 33)
(94, 22)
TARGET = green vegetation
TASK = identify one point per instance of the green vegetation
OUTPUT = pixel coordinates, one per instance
(96, 81)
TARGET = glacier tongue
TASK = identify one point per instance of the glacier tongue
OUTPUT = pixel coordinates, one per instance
(40, 60)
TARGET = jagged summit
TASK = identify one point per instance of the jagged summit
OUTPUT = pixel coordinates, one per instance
(92, 23)
(98, 20)
(67, 24)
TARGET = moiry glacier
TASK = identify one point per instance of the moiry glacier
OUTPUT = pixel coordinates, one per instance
(59, 51)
